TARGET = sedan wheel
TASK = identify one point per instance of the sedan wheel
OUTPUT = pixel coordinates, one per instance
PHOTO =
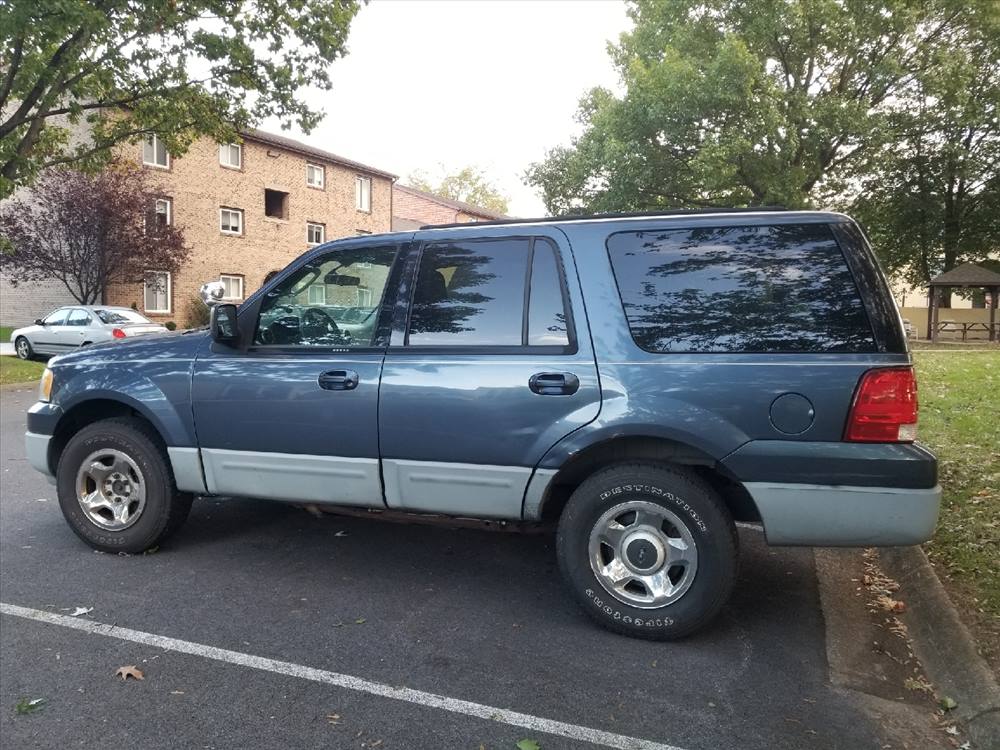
(23, 348)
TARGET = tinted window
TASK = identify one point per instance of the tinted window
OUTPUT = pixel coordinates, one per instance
(732, 289)
(57, 318)
(78, 318)
(470, 294)
(331, 301)
(546, 306)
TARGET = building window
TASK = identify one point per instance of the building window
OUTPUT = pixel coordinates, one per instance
(231, 220)
(231, 155)
(317, 294)
(315, 175)
(164, 214)
(233, 286)
(315, 233)
(363, 193)
(154, 152)
(161, 216)
(275, 204)
(156, 292)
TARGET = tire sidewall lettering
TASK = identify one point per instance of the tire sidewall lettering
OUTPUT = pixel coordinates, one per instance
(654, 491)
(615, 614)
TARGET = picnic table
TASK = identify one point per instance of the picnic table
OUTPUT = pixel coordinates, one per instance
(955, 326)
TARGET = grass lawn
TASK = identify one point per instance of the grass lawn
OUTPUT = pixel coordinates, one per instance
(5, 332)
(14, 370)
(959, 406)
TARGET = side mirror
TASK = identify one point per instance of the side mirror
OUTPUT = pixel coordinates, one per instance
(223, 325)
(39, 322)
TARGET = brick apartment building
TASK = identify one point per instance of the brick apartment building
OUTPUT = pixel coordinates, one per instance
(248, 210)
(412, 208)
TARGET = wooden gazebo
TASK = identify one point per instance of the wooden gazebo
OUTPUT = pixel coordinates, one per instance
(964, 276)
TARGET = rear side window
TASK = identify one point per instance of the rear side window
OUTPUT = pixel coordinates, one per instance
(495, 293)
(739, 289)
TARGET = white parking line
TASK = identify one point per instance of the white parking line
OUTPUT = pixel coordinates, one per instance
(418, 697)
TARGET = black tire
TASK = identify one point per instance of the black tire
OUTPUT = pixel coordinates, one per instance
(165, 508)
(690, 500)
(23, 348)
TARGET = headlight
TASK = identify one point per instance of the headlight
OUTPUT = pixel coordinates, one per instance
(45, 385)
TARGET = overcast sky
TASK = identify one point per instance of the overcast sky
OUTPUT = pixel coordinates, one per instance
(487, 83)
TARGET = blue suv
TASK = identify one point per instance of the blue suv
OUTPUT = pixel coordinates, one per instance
(643, 382)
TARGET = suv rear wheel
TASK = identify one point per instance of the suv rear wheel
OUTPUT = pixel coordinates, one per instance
(116, 489)
(649, 551)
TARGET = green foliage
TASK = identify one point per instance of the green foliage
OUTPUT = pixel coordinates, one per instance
(170, 325)
(930, 197)
(178, 68)
(469, 184)
(197, 313)
(747, 102)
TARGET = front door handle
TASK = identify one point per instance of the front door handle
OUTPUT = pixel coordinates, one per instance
(338, 380)
(554, 383)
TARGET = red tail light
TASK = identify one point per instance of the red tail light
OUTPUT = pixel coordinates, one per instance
(884, 408)
(118, 333)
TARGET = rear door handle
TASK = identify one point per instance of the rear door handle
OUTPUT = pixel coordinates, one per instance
(338, 380)
(554, 383)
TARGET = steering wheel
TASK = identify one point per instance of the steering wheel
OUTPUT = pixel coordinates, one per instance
(317, 323)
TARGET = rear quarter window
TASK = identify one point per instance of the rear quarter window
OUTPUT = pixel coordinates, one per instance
(780, 288)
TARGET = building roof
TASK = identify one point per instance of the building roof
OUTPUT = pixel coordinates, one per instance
(290, 144)
(462, 206)
(967, 274)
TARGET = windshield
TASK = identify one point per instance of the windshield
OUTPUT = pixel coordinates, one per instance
(120, 316)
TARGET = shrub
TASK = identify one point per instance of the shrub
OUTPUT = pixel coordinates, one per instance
(198, 313)
(170, 325)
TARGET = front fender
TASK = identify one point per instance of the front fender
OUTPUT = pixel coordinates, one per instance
(158, 390)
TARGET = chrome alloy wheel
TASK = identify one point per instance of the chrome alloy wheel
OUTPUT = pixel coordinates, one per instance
(23, 348)
(110, 489)
(643, 554)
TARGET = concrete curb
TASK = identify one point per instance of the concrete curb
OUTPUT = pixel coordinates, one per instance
(944, 646)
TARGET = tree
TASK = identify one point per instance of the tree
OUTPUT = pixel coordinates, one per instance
(746, 102)
(469, 185)
(931, 197)
(88, 231)
(179, 68)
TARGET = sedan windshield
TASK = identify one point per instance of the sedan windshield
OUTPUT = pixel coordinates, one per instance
(120, 316)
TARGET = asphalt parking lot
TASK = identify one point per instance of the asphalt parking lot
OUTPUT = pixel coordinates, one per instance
(281, 620)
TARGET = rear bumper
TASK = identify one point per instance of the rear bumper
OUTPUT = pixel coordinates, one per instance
(845, 516)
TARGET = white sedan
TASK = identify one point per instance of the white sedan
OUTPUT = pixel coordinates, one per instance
(71, 327)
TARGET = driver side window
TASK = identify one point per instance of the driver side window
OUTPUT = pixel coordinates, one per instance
(331, 301)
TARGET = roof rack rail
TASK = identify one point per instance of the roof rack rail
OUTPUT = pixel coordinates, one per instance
(637, 214)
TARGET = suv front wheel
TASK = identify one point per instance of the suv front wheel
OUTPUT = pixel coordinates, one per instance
(649, 551)
(116, 489)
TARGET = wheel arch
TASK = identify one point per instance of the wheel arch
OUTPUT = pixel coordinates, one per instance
(88, 411)
(644, 448)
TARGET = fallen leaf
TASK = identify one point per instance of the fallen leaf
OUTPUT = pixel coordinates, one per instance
(528, 745)
(130, 671)
(948, 704)
(360, 621)
(333, 718)
(81, 611)
(917, 684)
(953, 730)
(29, 706)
